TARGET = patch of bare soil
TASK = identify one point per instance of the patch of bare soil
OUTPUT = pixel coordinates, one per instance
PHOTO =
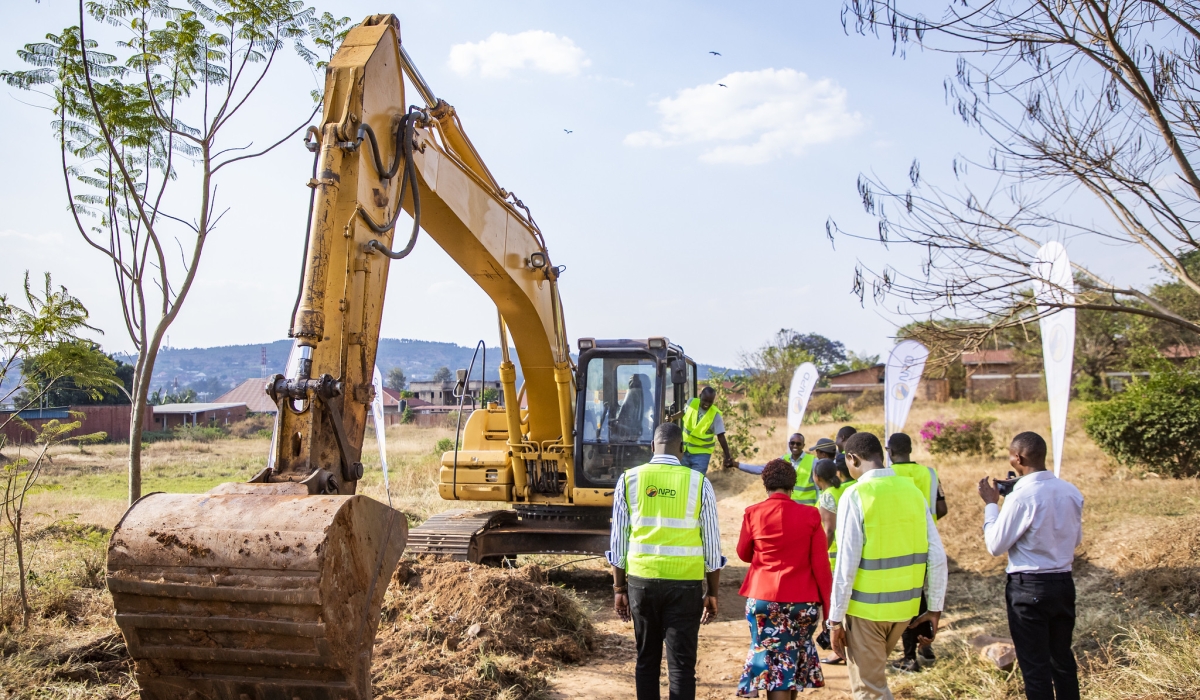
(458, 630)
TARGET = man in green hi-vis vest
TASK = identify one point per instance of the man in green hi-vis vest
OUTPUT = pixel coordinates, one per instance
(665, 550)
(888, 554)
(806, 490)
(899, 452)
(703, 428)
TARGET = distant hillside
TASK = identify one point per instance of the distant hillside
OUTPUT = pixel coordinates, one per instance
(212, 371)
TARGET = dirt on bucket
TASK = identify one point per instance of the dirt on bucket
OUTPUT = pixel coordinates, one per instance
(460, 630)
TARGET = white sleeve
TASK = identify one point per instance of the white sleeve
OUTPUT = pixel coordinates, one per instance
(718, 425)
(849, 553)
(935, 569)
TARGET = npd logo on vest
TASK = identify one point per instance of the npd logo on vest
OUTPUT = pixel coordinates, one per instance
(653, 491)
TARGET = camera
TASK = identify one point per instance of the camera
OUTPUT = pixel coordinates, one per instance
(1005, 486)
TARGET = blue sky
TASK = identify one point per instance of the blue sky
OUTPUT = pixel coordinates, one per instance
(679, 207)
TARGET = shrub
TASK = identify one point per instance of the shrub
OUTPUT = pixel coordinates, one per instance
(200, 433)
(867, 399)
(253, 426)
(1154, 423)
(971, 436)
(841, 414)
(444, 445)
(824, 403)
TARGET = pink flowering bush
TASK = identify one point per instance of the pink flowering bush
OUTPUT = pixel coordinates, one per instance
(972, 436)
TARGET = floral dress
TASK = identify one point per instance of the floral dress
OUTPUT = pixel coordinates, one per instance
(782, 655)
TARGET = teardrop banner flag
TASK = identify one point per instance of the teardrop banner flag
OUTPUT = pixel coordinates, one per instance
(380, 425)
(900, 380)
(803, 381)
(1054, 285)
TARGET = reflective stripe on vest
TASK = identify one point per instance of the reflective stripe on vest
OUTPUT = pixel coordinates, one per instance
(698, 436)
(664, 508)
(922, 476)
(837, 492)
(805, 491)
(891, 573)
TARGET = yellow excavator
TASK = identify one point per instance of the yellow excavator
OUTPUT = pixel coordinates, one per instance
(272, 589)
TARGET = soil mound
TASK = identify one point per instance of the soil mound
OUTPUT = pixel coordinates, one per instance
(459, 630)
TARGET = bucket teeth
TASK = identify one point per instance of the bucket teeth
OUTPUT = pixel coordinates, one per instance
(247, 596)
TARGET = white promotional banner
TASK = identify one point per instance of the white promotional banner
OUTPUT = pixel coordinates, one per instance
(803, 381)
(900, 381)
(1056, 285)
(380, 425)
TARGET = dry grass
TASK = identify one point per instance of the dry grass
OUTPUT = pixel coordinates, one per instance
(1137, 570)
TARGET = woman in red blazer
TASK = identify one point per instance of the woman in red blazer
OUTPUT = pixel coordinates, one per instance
(786, 589)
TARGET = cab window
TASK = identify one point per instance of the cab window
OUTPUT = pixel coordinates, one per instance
(619, 416)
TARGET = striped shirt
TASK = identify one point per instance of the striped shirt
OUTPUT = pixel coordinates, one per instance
(710, 531)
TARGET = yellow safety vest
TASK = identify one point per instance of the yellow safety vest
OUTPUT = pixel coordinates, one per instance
(891, 573)
(837, 492)
(805, 491)
(698, 436)
(922, 476)
(664, 518)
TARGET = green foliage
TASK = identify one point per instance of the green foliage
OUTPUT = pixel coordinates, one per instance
(41, 341)
(770, 373)
(442, 374)
(443, 445)
(972, 436)
(158, 398)
(490, 395)
(1154, 423)
(841, 413)
(396, 381)
(854, 362)
(200, 433)
(738, 421)
(408, 416)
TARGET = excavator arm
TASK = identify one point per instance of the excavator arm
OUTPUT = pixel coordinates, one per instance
(272, 589)
(376, 157)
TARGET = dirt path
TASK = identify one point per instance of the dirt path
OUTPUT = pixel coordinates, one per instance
(723, 644)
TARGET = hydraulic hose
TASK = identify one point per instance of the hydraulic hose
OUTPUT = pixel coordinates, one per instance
(314, 146)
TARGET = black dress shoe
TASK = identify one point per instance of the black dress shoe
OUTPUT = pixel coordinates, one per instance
(926, 653)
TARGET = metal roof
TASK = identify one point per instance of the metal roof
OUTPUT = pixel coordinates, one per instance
(193, 407)
(252, 393)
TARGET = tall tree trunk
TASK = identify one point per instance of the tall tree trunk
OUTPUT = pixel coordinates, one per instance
(21, 570)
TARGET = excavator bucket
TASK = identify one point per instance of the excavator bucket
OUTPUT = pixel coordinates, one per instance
(253, 591)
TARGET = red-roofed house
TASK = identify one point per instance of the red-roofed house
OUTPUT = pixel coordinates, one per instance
(253, 393)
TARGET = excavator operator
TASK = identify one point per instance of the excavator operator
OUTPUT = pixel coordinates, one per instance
(703, 427)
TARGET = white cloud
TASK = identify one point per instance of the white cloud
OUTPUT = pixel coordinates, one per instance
(500, 54)
(757, 117)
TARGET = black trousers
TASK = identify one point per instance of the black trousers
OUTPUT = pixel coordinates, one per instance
(1041, 620)
(666, 611)
(909, 638)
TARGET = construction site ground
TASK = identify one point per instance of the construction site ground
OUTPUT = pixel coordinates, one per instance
(456, 631)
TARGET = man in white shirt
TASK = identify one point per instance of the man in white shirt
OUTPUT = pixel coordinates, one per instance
(888, 554)
(1039, 528)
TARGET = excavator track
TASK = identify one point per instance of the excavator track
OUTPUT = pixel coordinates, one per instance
(489, 536)
(250, 592)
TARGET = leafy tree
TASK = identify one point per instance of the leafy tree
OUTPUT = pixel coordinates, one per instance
(737, 417)
(158, 398)
(769, 373)
(44, 336)
(824, 353)
(1153, 424)
(130, 122)
(442, 374)
(396, 380)
(1085, 104)
(65, 392)
(855, 362)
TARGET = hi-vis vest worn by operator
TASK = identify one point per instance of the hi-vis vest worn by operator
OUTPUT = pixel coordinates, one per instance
(805, 491)
(922, 476)
(891, 574)
(664, 518)
(698, 436)
(837, 492)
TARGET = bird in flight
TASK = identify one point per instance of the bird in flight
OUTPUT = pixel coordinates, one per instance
(715, 53)
(723, 85)
(568, 131)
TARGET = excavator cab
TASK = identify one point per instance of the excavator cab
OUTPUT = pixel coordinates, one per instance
(626, 389)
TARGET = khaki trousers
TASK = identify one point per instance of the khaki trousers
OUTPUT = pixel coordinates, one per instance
(868, 644)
